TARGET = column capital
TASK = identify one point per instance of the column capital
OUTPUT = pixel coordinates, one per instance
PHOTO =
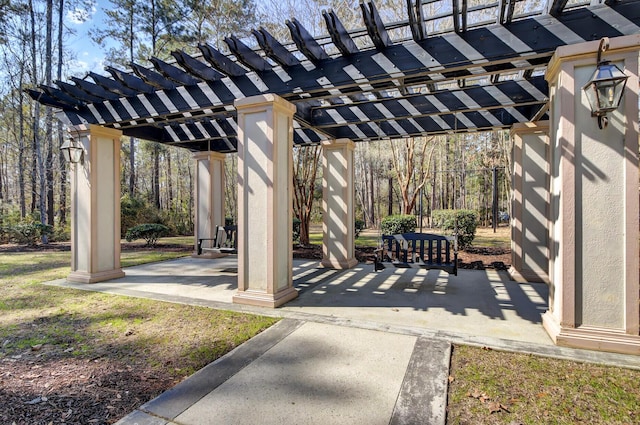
(587, 52)
(530, 128)
(338, 144)
(95, 130)
(199, 156)
(262, 101)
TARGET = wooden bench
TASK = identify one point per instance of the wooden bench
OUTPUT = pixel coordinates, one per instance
(424, 250)
(224, 242)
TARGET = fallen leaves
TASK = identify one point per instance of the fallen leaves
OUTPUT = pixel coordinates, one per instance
(493, 406)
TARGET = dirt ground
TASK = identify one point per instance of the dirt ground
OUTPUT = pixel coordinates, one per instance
(44, 385)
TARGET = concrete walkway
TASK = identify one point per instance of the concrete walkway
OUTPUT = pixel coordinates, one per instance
(355, 347)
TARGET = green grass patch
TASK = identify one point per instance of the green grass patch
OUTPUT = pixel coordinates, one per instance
(538, 390)
(63, 322)
(485, 237)
(366, 238)
(134, 258)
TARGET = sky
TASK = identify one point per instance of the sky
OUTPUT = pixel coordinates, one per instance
(88, 56)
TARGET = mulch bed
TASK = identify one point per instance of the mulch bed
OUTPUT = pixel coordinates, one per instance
(50, 388)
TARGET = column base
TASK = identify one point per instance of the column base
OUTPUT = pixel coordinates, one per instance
(339, 264)
(263, 299)
(591, 338)
(86, 277)
(524, 276)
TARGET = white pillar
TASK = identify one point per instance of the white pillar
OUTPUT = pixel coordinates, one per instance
(209, 194)
(338, 237)
(594, 205)
(530, 203)
(95, 206)
(265, 255)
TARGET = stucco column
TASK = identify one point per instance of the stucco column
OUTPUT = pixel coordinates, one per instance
(530, 202)
(265, 255)
(594, 205)
(95, 206)
(338, 237)
(209, 194)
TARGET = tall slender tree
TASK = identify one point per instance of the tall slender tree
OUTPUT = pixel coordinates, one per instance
(48, 134)
(63, 171)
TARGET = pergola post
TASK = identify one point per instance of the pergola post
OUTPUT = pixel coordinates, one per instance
(594, 205)
(530, 202)
(265, 255)
(338, 238)
(95, 206)
(209, 194)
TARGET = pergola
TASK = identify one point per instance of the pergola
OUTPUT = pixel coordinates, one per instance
(472, 66)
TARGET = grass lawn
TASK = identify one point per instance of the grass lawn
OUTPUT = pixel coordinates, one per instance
(69, 319)
(154, 344)
(493, 387)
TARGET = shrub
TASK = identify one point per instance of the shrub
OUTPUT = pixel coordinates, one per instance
(465, 221)
(61, 233)
(395, 224)
(136, 211)
(296, 229)
(150, 232)
(28, 232)
(358, 226)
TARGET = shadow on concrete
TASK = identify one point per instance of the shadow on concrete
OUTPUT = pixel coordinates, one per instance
(488, 292)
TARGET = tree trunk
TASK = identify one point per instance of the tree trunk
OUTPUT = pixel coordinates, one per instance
(38, 163)
(167, 155)
(156, 175)
(390, 195)
(372, 196)
(63, 167)
(48, 140)
(305, 169)
(21, 145)
(132, 167)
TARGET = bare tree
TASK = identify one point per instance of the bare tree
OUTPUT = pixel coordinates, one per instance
(411, 159)
(306, 160)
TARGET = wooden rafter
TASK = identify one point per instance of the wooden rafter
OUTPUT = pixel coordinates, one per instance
(388, 88)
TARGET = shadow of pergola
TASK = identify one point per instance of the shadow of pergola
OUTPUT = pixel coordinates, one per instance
(489, 292)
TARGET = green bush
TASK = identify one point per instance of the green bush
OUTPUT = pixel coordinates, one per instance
(296, 229)
(28, 232)
(136, 211)
(359, 226)
(395, 224)
(4, 234)
(150, 232)
(465, 221)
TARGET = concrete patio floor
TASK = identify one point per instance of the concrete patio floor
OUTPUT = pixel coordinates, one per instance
(477, 307)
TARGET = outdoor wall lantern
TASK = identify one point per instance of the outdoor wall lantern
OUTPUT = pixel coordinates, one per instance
(71, 150)
(605, 87)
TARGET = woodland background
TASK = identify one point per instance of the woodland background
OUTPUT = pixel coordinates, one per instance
(437, 172)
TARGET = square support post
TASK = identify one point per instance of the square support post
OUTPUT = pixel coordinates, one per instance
(265, 212)
(209, 194)
(338, 193)
(95, 206)
(594, 205)
(530, 203)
